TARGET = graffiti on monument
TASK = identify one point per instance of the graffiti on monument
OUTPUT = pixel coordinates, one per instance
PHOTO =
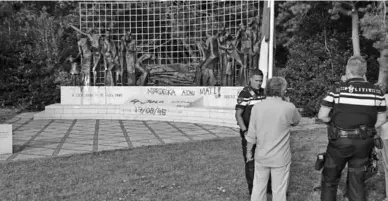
(135, 101)
(187, 92)
(90, 95)
(150, 110)
(161, 91)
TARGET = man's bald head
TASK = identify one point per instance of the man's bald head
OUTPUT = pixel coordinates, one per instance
(356, 66)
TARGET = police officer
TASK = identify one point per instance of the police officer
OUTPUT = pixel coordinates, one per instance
(358, 107)
(246, 99)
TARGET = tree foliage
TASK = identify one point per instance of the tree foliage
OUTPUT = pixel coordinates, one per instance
(31, 53)
(318, 50)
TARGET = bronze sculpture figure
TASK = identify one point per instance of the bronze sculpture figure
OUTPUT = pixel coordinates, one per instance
(84, 51)
(95, 40)
(141, 69)
(130, 57)
(74, 71)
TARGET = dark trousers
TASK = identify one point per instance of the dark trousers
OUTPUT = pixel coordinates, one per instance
(355, 152)
(250, 166)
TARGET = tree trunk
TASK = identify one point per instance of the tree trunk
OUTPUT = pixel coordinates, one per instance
(383, 70)
(355, 33)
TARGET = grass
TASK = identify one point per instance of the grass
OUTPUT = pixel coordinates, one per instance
(201, 170)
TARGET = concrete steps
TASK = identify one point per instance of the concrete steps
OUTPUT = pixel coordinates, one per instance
(158, 112)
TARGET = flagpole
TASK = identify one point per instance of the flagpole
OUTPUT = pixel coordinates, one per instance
(264, 46)
(271, 39)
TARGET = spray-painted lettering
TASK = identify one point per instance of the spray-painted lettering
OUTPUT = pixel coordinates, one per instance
(161, 91)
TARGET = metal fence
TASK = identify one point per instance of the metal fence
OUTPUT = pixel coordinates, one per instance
(167, 29)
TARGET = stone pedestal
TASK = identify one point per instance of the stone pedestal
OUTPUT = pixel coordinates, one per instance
(208, 105)
(5, 138)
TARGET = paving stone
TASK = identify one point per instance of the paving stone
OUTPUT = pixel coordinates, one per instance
(200, 132)
(28, 156)
(142, 137)
(71, 146)
(38, 151)
(42, 143)
(107, 147)
(112, 134)
(79, 141)
(203, 137)
(71, 151)
(111, 140)
(175, 140)
(113, 143)
(227, 134)
(80, 137)
(146, 142)
(50, 146)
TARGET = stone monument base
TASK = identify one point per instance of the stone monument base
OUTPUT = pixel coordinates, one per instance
(210, 115)
(205, 105)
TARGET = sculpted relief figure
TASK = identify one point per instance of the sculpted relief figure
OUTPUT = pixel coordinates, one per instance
(84, 51)
(141, 69)
(244, 44)
(95, 40)
(130, 57)
(74, 71)
(121, 57)
(226, 45)
(209, 54)
(109, 52)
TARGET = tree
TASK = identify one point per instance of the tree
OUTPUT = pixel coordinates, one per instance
(32, 47)
(374, 27)
(348, 8)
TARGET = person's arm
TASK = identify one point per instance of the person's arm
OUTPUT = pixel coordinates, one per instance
(242, 103)
(296, 117)
(327, 104)
(323, 114)
(251, 134)
(240, 120)
(249, 155)
(381, 119)
(381, 108)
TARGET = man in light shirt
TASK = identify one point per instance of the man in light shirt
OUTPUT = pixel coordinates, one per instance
(269, 129)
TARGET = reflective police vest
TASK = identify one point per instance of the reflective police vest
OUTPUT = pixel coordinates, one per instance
(355, 102)
(246, 99)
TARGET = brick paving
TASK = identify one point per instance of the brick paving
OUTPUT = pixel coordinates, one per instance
(51, 138)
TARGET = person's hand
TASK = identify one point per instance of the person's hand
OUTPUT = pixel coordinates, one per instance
(245, 132)
(249, 157)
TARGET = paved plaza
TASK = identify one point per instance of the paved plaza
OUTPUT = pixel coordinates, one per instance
(51, 138)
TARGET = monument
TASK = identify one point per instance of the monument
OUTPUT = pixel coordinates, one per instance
(177, 68)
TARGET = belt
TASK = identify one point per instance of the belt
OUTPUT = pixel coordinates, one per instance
(349, 133)
(355, 134)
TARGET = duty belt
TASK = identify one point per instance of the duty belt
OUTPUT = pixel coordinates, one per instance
(354, 133)
(362, 132)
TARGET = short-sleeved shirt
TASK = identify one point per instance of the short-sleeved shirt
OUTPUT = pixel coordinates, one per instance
(355, 102)
(269, 129)
(246, 99)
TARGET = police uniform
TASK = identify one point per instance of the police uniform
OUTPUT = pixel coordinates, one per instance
(355, 104)
(246, 99)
